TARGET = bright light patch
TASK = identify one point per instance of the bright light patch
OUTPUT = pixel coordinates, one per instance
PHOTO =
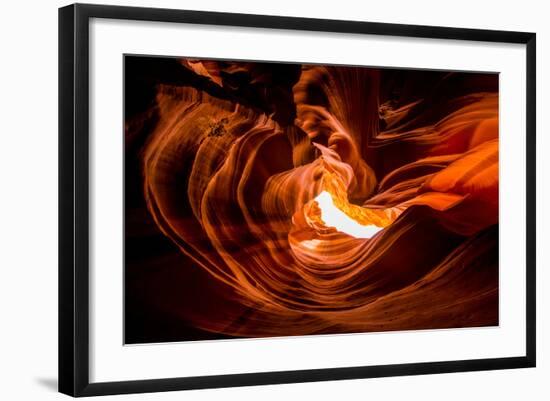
(334, 217)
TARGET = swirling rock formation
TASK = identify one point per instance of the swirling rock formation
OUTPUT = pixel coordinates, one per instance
(253, 174)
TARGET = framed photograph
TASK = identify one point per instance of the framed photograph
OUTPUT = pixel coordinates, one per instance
(250, 199)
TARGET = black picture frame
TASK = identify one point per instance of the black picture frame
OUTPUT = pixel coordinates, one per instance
(74, 198)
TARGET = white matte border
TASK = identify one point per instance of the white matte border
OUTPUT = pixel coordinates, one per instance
(111, 361)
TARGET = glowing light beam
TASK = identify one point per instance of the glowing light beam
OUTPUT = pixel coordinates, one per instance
(334, 217)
